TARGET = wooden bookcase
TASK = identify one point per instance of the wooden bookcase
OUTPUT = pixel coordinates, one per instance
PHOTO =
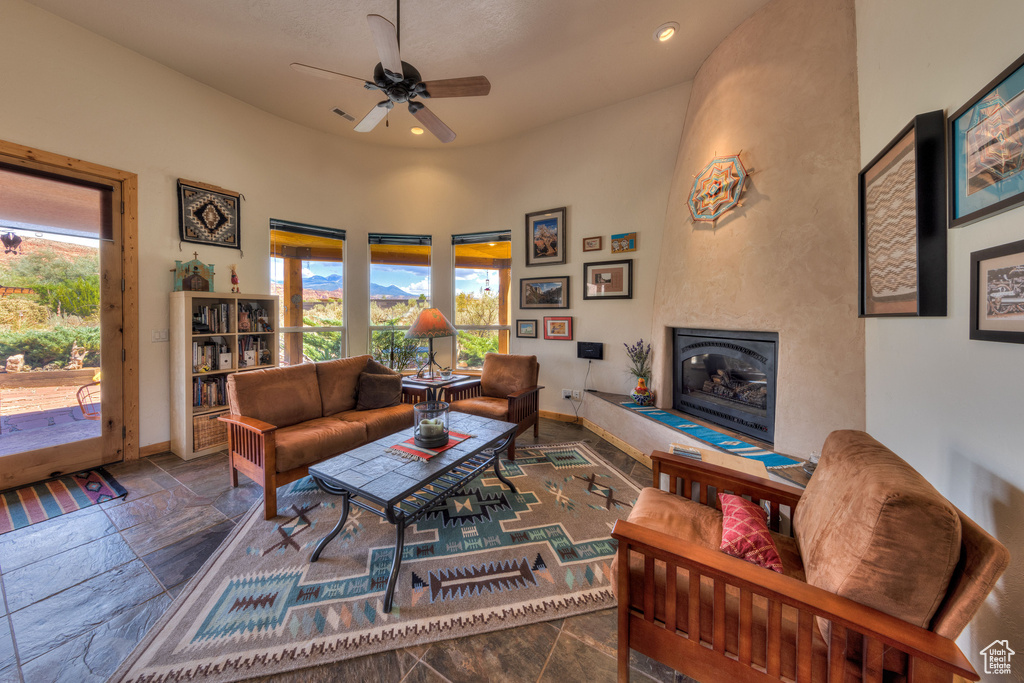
(195, 430)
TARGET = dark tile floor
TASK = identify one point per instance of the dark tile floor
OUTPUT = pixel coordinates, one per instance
(79, 591)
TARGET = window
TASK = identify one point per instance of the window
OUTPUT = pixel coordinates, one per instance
(483, 277)
(307, 271)
(399, 290)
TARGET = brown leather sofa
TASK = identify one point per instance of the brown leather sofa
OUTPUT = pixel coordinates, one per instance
(507, 390)
(880, 574)
(282, 420)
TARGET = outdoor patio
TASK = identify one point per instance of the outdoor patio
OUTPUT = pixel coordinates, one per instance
(40, 416)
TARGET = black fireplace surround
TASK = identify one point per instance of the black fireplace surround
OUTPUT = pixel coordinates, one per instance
(728, 378)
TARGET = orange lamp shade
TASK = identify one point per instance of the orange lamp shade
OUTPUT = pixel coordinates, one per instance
(430, 323)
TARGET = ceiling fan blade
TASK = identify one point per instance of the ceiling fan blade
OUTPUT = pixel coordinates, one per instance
(385, 37)
(324, 73)
(434, 124)
(371, 120)
(470, 86)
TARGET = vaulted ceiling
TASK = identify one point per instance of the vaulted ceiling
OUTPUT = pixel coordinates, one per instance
(546, 60)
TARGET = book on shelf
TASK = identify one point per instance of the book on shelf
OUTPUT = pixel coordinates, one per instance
(252, 351)
(206, 355)
(209, 392)
(253, 318)
(211, 319)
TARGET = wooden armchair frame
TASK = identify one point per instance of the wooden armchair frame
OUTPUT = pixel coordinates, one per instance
(678, 640)
(523, 406)
(252, 450)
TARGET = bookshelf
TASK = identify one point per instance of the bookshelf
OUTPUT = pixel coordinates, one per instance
(214, 334)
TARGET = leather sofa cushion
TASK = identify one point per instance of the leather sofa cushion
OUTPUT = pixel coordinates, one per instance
(482, 406)
(339, 382)
(871, 529)
(378, 391)
(505, 374)
(315, 440)
(280, 396)
(380, 422)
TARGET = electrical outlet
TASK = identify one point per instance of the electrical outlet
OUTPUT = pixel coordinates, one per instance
(576, 394)
(566, 393)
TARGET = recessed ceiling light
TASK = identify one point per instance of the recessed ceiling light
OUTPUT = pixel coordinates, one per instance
(665, 32)
(416, 130)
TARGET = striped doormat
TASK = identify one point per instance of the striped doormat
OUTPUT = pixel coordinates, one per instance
(39, 502)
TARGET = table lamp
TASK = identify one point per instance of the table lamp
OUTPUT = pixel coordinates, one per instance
(430, 323)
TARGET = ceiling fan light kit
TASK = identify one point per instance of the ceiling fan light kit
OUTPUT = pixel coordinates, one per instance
(401, 82)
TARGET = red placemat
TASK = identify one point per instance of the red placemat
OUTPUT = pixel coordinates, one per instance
(409, 447)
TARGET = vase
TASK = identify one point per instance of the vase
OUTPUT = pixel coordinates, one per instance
(641, 395)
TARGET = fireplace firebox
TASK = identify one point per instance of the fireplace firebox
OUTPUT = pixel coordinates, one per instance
(727, 378)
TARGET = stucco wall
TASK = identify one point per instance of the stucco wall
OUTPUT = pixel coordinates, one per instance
(948, 405)
(783, 89)
(81, 95)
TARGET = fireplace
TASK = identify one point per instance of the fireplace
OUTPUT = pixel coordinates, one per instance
(727, 378)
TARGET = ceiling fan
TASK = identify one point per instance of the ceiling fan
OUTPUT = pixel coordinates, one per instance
(401, 82)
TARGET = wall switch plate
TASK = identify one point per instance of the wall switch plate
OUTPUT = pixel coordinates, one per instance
(160, 335)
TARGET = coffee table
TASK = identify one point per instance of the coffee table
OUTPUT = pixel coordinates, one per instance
(402, 491)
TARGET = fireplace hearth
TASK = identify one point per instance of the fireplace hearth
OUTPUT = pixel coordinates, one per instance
(728, 378)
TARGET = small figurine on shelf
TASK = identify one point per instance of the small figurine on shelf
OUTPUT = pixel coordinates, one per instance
(234, 279)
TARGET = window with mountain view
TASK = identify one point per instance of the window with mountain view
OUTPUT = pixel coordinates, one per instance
(483, 277)
(399, 290)
(307, 272)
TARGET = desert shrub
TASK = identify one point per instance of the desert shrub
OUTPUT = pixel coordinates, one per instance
(79, 297)
(474, 346)
(17, 313)
(42, 347)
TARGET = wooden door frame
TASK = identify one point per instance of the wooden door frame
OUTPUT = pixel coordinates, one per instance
(129, 183)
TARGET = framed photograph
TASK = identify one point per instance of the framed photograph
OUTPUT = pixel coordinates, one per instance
(593, 243)
(208, 214)
(559, 328)
(544, 292)
(902, 223)
(545, 237)
(527, 329)
(608, 280)
(986, 167)
(997, 293)
(624, 242)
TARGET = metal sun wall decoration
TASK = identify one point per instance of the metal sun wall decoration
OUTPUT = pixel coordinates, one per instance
(717, 188)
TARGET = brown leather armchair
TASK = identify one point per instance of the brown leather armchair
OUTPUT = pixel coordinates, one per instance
(507, 390)
(880, 574)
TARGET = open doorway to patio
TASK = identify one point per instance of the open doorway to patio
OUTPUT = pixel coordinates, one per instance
(61, 318)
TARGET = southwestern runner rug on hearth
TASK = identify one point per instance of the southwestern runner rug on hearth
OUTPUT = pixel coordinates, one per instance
(487, 560)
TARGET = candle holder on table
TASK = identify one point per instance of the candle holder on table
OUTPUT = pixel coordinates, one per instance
(430, 424)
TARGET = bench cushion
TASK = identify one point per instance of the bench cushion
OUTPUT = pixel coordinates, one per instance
(280, 396)
(380, 422)
(315, 440)
(339, 383)
(871, 529)
(482, 406)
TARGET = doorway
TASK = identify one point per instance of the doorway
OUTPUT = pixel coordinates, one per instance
(68, 312)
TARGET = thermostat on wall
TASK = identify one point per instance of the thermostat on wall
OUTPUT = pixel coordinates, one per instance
(592, 350)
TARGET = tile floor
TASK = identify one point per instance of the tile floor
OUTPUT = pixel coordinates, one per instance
(81, 590)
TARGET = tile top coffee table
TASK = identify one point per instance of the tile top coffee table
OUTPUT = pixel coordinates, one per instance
(402, 490)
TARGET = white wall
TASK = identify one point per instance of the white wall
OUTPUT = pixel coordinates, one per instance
(949, 405)
(68, 91)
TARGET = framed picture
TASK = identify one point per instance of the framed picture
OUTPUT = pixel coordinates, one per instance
(624, 242)
(986, 167)
(902, 223)
(997, 293)
(544, 292)
(526, 329)
(208, 214)
(593, 243)
(608, 280)
(559, 328)
(545, 237)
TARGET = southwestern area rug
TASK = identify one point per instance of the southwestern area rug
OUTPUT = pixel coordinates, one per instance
(40, 502)
(487, 560)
